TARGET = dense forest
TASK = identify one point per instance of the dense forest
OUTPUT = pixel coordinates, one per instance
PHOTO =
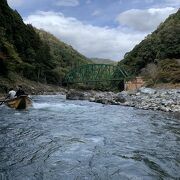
(63, 56)
(157, 57)
(103, 61)
(31, 53)
(39, 56)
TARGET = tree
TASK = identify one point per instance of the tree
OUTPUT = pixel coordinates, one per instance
(150, 74)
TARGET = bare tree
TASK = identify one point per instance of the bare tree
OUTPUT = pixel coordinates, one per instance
(150, 73)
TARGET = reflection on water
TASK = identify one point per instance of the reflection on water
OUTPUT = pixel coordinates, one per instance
(59, 139)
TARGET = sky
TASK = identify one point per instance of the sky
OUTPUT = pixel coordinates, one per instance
(97, 28)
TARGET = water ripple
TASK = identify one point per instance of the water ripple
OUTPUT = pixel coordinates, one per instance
(59, 139)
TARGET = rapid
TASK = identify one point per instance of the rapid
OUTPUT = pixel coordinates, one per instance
(66, 139)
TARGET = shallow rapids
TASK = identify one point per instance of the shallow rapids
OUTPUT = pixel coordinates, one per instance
(61, 139)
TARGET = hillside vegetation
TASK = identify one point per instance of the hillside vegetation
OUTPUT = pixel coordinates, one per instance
(62, 55)
(157, 57)
(37, 56)
(103, 61)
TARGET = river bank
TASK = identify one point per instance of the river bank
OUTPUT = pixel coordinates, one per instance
(30, 87)
(167, 100)
(159, 98)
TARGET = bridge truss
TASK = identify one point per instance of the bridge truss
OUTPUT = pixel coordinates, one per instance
(91, 73)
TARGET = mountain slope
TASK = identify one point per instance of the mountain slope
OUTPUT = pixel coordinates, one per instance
(161, 48)
(61, 52)
(21, 49)
(103, 61)
(62, 55)
(34, 55)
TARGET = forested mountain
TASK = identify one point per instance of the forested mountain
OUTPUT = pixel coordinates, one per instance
(20, 46)
(158, 55)
(39, 56)
(103, 61)
(62, 55)
(36, 56)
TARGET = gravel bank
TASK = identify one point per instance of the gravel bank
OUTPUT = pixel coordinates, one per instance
(144, 98)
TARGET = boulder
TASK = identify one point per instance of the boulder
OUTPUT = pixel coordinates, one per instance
(147, 90)
(120, 98)
(77, 95)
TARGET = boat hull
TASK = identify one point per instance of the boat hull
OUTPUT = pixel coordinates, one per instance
(21, 102)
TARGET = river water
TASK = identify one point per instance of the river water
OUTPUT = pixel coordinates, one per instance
(62, 139)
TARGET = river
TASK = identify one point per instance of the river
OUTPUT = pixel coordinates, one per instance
(62, 139)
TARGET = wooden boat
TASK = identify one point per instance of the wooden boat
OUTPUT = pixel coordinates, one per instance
(21, 102)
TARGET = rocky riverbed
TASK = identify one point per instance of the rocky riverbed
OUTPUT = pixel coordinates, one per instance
(144, 98)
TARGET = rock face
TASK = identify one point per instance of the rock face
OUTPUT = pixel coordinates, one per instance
(143, 98)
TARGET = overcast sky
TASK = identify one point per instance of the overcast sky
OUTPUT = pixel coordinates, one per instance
(97, 28)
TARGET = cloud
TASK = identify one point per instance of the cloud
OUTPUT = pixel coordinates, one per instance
(96, 13)
(92, 41)
(172, 3)
(15, 3)
(144, 20)
(67, 2)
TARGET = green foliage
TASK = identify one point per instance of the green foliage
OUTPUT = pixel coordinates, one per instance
(162, 44)
(3, 65)
(59, 74)
(166, 71)
(9, 58)
(169, 71)
(26, 70)
(63, 56)
(21, 45)
(103, 61)
(36, 56)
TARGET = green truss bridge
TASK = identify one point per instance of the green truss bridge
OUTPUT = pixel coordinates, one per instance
(90, 73)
